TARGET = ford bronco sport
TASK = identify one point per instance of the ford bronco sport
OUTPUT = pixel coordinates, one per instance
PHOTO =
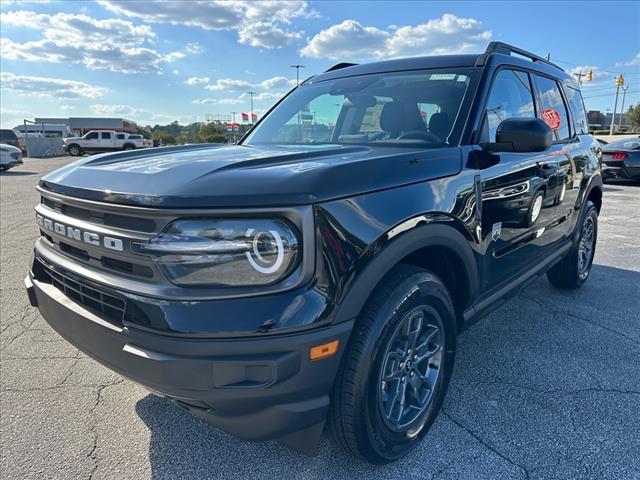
(319, 271)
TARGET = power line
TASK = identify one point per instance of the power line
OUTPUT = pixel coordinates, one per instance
(609, 94)
(614, 72)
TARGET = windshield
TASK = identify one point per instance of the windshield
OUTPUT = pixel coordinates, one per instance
(398, 108)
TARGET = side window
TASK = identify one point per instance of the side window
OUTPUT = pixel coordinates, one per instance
(576, 105)
(120, 136)
(106, 135)
(553, 110)
(510, 97)
(92, 135)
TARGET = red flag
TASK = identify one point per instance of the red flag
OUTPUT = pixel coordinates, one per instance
(229, 126)
(254, 118)
(245, 117)
(236, 127)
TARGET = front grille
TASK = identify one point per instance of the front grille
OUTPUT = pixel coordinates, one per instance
(101, 218)
(106, 306)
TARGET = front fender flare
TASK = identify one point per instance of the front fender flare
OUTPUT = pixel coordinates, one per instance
(392, 251)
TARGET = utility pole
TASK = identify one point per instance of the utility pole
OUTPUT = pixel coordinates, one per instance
(251, 94)
(619, 83)
(548, 56)
(579, 75)
(297, 67)
(624, 94)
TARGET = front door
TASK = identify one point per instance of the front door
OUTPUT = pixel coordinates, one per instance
(519, 190)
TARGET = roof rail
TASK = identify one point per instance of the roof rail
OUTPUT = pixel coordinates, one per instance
(506, 49)
(338, 66)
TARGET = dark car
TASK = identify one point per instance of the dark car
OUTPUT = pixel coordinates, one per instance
(621, 159)
(318, 272)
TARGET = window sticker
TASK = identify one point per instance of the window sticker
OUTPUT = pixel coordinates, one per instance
(552, 118)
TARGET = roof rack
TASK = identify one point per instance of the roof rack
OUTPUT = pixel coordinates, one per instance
(506, 49)
(338, 66)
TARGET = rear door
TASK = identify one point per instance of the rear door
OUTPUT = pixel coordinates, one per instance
(517, 188)
(107, 140)
(571, 146)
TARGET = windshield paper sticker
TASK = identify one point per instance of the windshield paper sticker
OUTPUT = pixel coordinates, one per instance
(552, 118)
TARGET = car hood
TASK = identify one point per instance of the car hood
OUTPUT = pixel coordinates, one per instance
(224, 176)
(71, 139)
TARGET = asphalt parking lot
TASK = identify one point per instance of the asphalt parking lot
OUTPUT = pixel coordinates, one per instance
(548, 386)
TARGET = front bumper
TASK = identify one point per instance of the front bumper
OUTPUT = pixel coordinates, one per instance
(256, 388)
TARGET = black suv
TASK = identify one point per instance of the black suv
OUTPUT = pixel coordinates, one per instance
(320, 270)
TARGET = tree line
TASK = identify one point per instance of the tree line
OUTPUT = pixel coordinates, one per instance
(196, 132)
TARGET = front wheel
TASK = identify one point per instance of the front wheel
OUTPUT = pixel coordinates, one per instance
(574, 269)
(396, 372)
(74, 150)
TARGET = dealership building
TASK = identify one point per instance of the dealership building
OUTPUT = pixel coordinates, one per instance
(81, 125)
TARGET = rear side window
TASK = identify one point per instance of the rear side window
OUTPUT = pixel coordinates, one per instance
(576, 105)
(106, 135)
(7, 135)
(511, 97)
(553, 110)
(120, 136)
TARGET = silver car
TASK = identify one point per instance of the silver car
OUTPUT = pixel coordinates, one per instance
(10, 156)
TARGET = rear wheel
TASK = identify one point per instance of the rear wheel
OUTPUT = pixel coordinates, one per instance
(574, 269)
(129, 146)
(396, 372)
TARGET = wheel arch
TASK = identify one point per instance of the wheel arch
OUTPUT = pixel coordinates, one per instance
(437, 247)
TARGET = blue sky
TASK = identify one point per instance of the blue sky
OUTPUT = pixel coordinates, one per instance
(155, 63)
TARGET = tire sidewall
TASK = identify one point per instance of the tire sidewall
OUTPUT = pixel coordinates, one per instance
(418, 289)
(590, 211)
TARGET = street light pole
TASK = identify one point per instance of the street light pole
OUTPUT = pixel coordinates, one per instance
(251, 94)
(297, 67)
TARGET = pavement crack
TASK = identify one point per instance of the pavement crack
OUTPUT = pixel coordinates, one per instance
(487, 445)
(94, 426)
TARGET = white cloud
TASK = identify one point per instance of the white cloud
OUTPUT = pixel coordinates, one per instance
(229, 84)
(141, 116)
(448, 34)
(635, 61)
(53, 87)
(113, 44)
(218, 101)
(266, 24)
(197, 80)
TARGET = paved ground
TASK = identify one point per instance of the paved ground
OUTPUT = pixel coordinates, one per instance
(548, 386)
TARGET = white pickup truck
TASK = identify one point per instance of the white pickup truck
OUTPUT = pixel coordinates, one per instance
(97, 141)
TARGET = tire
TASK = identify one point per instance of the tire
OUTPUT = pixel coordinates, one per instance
(574, 269)
(363, 408)
(128, 146)
(74, 150)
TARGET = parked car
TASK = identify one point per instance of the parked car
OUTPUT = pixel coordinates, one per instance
(621, 159)
(97, 141)
(9, 137)
(10, 156)
(319, 272)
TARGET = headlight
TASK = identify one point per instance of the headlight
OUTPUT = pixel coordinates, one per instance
(225, 252)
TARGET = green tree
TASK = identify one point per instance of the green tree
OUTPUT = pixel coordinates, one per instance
(143, 131)
(164, 137)
(210, 133)
(633, 116)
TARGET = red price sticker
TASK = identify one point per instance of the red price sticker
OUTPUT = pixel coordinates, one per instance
(552, 118)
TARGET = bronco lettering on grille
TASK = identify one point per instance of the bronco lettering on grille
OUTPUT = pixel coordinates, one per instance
(90, 238)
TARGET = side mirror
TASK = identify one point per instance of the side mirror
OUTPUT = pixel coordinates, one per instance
(521, 135)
